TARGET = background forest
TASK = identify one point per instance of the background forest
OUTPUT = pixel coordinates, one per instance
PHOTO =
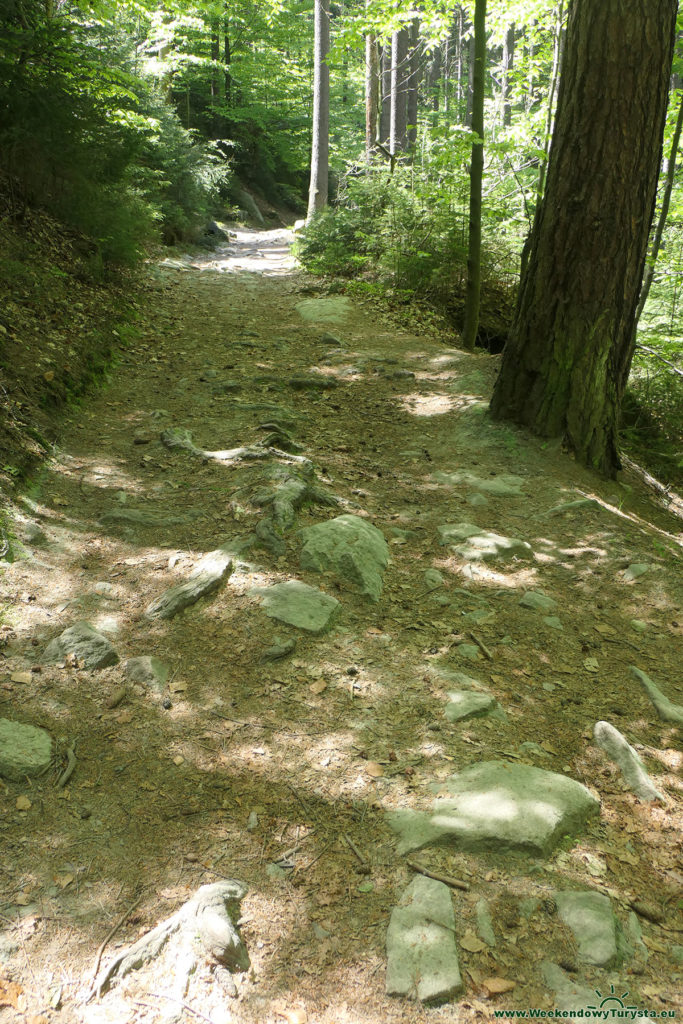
(134, 123)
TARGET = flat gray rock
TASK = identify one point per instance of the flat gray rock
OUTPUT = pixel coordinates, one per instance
(422, 957)
(666, 709)
(484, 923)
(475, 544)
(569, 995)
(85, 643)
(207, 577)
(505, 485)
(468, 704)
(350, 547)
(496, 806)
(636, 570)
(148, 671)
(298, 605)
(590, 918)
(537, 602)
(629, 761)
(24, 750)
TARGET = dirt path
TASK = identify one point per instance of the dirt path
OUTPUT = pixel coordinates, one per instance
(280, 771)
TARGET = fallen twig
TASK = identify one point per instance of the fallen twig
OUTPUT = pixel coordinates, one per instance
(354, 849)
(110, 935)
(70, 766)
(455, 883)
(652, 352)
(482, 646)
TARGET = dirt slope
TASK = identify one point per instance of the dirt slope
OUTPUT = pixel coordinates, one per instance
(280, 772)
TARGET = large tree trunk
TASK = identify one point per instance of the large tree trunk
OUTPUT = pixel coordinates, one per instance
(471, 325)
(567, 360)
(317, 195)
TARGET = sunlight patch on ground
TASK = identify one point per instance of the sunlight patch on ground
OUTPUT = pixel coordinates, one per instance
(427, 405)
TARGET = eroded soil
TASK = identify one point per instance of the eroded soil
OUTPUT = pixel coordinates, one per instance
(279, 773)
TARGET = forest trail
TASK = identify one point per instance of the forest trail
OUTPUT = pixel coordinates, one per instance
(277, 754)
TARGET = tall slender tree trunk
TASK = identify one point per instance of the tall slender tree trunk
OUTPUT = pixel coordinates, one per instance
(371, 94)
(385, 110)
(434, 76)
(663, 214)
(415, 52)
(399, 106)
(567, 360)
(227, 58)
(508, 64)
(472, 295)
(317, 195)
(471, 49)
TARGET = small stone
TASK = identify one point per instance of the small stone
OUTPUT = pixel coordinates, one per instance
(590, 917)
(422, 957)
(484, 923)
(207, 577)
(278, 651)
(636, 570)
(629, 761)
(639, 626)
(537, 602)
(148, 671)
(477, 500)
(553, 622)
(83, 642)
(298, 605)
(470, 652)
(24, 750)
(468, 704)
(433, 578)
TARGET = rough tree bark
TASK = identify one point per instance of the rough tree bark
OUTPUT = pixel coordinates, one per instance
(472, 294)
(317, 195)
(570, 348)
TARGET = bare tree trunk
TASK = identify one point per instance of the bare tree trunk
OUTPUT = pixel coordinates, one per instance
(470, 80)
(434, 76)
(508, 64)
(371, 94)
(415, 52)
(397, 129)
(317, 195)
(571, 344)
(471, 325)
(227, 57)
(385, 110)
(663, 214)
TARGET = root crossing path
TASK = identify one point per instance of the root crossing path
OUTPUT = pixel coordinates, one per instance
(290, 609)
